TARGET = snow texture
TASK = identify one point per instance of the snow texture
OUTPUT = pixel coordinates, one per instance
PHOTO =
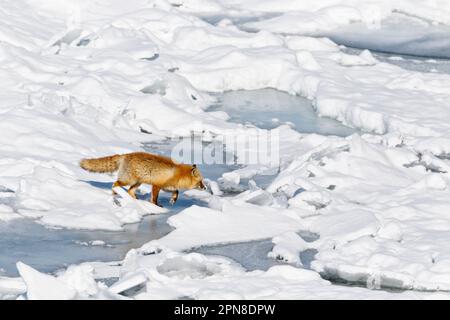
(77, 83)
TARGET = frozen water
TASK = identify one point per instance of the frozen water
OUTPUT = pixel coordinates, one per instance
(252, 255)
(399, 34)
(50, 249)
(79, 86)
(270, 108)
(408, 62)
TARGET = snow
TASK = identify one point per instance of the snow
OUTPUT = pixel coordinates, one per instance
(76, 283)
(44, 287)
(77, 84)
(288, 247)
(322, 16)
(196, 226)
(398, 33)
(11, 287)
(202, 277)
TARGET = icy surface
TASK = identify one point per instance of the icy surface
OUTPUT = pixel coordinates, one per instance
(398, 33)
(78, 84)
(408, 62)
(268, 109)
(49, 249)
(253, 255)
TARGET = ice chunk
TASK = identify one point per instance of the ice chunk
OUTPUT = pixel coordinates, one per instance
(41, 286)
(81, 278)
(128, 282)
(288, 247)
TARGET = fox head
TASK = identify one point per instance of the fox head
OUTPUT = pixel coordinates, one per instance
(197, 179)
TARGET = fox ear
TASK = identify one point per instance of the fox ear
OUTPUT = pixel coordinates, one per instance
(194, 166)
(195, 172)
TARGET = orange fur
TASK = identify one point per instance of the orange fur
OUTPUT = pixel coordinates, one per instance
(139, 167)
(105, 164)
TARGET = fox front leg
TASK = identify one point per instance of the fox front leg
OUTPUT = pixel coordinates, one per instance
(155, 193)
(117, 184)
(174, 197)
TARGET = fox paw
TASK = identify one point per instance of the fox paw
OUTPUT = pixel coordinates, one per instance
(172, 201)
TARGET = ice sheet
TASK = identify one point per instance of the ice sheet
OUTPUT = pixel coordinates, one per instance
(269, 108)
(80, 85)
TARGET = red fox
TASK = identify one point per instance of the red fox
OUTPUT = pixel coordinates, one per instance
(139, 167)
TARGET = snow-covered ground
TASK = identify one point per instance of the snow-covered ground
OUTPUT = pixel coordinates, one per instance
(86, 79)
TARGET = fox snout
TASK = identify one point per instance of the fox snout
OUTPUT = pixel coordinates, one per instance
(201, 186)
(197, 179)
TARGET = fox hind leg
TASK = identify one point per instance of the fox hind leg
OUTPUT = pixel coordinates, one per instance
(132, 190)
(174, 197)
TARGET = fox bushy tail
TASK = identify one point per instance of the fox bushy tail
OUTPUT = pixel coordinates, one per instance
(105, 164)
